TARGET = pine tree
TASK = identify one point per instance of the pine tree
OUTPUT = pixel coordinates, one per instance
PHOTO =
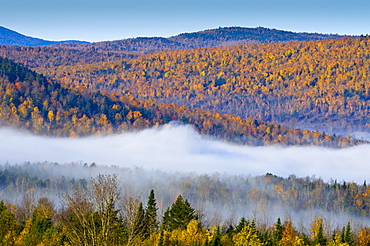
(216, 239)
(161, 239)
(242, 223)
(278, 233)
(320, 239)
(178, 215)
(343, 235)
(150, 218)
(348, 236)
(139, 220)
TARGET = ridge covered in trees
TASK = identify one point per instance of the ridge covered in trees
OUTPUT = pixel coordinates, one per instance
(225, 36)
(316, 85)
(85, 53)
(54, 56)
(32, 102)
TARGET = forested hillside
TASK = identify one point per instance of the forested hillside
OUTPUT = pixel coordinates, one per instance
(316, 85)
(54, 56)
(114, 209)
(85, 53)
(30, 101)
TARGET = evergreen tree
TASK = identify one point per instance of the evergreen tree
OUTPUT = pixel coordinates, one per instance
(348, 236)
(278, 233)
(216, 239)
(320, 239)
(161, 239)
(40, 229)
(253, 227)
(343, 235)
(230, 231)
(139, 220)
(150, 218)
(242, 223)
(178, 215)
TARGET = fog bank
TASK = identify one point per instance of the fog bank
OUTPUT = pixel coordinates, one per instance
(181, 148)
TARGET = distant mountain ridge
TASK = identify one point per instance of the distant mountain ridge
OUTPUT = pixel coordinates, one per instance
(13, 38)
(223, 36)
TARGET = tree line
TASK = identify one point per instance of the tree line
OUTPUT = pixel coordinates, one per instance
(97, 213)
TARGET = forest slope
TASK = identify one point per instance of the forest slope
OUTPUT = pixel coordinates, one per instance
(317, 85)
(30, 101)
(54, 56)
(85, 53)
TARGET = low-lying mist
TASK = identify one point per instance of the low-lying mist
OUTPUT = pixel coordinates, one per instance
(181, 148)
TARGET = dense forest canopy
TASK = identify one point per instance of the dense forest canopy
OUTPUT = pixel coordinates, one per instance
(85, 53)
(32, 102)
(316, 85)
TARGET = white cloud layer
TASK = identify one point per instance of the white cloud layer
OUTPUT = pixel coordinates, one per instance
(181, 148)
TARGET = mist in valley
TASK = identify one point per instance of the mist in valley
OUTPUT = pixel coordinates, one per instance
(175, 159)
(179, 148)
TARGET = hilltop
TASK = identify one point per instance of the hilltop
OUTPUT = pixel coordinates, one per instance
(226, 36)
(13, 38)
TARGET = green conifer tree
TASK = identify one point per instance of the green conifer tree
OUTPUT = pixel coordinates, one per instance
(161, 239)
(139, 220)
(348, 236)
(320, 239)
(278, 232)
(150, 218)
(242, 223)
(178, 215)
(216, 240)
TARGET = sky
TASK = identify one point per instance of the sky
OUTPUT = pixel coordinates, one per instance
(98, 20)
(179, 148)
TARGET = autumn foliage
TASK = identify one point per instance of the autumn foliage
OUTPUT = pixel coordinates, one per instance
(30, 101)
(316, 85)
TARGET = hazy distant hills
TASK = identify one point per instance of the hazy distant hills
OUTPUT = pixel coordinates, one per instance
(12, 38)
(227, 36)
